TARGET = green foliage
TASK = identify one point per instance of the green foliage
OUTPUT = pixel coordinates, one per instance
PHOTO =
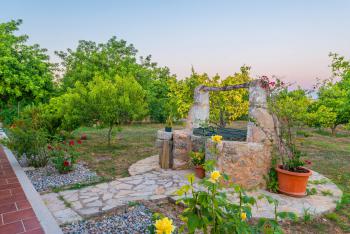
(63, 155)
(197, 158)
(24, 140)
(225, 107)
(116, 101)
(169, 122)
(271, 178)
(312, 191)
(117, 58)
(333, 104)
(26, 74)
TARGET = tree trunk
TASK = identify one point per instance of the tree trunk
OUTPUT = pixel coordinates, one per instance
(222, 119)
(110, 134)
(334, 132)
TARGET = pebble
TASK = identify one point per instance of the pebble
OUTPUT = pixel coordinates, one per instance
(135, 220)
(46, 178)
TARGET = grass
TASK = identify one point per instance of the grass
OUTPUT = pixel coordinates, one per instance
(131, 144)
(330, 156)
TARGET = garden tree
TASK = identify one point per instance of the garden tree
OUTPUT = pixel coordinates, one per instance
(25, 72)
(116, 101)
(335, 95)
(182, 93)
(336, 99)
(116, 57)
(320, 116)
(225, 106)
(291, 109)
(67, 111)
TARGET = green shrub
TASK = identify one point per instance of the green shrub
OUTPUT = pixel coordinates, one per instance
(29, 142)
(64, 155)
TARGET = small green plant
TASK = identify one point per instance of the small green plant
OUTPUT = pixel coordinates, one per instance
(66, 203)
(326, 193)
(307, 216)
(169, 122)
(133, 203)
(271, 177)
(197, 158)
(312, 191)
(321, 181)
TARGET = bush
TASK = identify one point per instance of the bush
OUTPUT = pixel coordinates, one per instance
(63, 155)
(28, 142)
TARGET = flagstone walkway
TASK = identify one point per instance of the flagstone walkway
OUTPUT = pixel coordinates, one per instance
(72, 205)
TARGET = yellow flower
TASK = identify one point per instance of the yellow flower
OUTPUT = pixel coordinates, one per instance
(214, 176)
(216, 138)
(243, 216)
(164, 226)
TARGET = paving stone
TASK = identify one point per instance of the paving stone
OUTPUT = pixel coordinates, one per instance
(160, 184)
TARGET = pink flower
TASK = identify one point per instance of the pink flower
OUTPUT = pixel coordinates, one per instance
(71, 142)
(79, 142)
(83, 137)
(49, 147)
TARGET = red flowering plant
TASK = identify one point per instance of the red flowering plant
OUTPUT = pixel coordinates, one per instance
(64, 155)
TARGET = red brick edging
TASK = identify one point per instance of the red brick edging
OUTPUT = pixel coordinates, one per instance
(16, 213)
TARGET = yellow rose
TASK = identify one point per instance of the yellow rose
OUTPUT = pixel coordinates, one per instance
(214, 176)
(243, 216)
(164, 226)
(216, 138)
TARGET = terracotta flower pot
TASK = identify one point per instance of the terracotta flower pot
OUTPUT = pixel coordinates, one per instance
(292, 183)
(200, 172)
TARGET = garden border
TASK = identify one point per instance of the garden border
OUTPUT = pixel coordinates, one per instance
(43, 214)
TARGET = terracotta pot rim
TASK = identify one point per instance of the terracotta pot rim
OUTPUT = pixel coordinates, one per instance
(306, 174)
(199, 166)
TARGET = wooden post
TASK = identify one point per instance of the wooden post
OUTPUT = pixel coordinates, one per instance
(165, 157)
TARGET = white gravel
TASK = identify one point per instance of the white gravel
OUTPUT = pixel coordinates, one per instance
(46, 178)
(135, 220)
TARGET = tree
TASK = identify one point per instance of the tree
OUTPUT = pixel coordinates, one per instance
(334, 94)
(291, 108)
(336, 99)
(116, 101)
(225, 107)
(118, 58)
(26, 75)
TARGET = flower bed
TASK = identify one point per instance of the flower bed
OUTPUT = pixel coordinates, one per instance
(47, 178)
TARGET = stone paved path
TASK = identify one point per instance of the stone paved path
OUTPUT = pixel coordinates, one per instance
(158, 184)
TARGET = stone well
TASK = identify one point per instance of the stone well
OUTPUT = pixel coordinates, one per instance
(246, 162)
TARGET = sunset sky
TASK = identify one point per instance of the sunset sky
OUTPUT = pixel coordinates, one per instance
(289, 39)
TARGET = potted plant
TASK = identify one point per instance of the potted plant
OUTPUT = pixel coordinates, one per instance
(289, 109)
(197, 160)
(169, 124)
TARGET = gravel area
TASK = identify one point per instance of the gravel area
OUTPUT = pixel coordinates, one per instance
(46, 178)
(135, 220)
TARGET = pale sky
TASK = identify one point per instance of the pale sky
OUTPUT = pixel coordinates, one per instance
(289, 39)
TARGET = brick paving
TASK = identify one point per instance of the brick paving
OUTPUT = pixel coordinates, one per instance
(16, 213)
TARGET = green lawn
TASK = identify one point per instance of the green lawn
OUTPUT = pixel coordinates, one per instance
(330, 156)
